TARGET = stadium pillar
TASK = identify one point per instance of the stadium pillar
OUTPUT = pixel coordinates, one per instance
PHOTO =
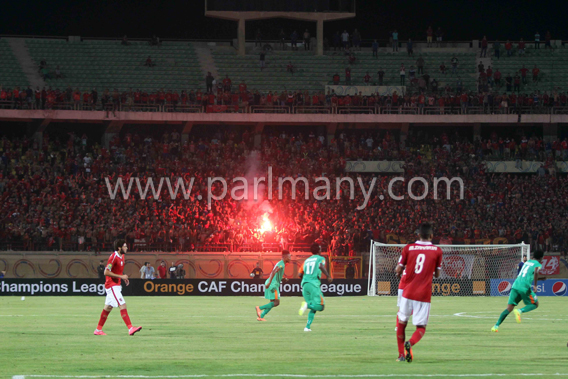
(112, 129)
(38, 137)
(320, 36)
(36, 128)
(258, 135)
(331, 129)
(187, 126)
(476, 131)
(241, 36)
(403, 132)
(549, 132)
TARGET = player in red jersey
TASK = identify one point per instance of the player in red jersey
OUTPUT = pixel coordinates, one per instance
(421, 259)
(114, 274)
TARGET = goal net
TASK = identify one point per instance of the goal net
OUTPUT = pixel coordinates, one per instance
(467, 270)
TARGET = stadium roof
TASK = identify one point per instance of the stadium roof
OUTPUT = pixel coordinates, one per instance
(460, 19)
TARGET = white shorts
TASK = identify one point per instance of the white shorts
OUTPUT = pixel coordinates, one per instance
(399, 297)
(114, 296)
(420, 311)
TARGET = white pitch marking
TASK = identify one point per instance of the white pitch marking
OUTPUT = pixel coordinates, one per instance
(291, 376)
(236, 316)
(464, 314)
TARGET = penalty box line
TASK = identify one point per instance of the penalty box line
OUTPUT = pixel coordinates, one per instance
(290, 376)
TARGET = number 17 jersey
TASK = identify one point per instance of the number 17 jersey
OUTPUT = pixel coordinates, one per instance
(312, 271)
(421, 260)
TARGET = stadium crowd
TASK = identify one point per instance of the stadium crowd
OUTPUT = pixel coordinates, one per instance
(56, 197)
(424, 97)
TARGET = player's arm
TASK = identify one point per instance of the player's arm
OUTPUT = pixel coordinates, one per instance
(108, 272)
(402, 272)
(438, 271)
(276, 269)
(398, 271)
(536, 277)
(324, 270)
(536, 271)
(301, 273)
(401, 263)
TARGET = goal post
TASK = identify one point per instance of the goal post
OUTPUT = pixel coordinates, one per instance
(467, 270)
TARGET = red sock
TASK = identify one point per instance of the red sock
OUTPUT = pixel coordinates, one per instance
(400, 336)
(103, 319)
(418, 334)
(125, 317)
(397, 320)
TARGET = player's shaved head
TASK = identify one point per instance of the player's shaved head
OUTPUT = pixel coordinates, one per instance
(425, 231)
(538, 255)
(285, 252)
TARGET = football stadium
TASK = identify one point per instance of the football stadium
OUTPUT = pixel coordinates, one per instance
(283, 189)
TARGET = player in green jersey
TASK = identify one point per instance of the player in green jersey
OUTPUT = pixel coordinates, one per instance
(522, 290)
(311, 274)
(272, 285)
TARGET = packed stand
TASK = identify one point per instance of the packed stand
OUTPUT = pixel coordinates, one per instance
(56, 197)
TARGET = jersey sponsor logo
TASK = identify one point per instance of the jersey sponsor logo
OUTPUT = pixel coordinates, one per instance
(559, 288)
(504, 288)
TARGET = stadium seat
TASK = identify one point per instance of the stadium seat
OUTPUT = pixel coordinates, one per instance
(103, 64)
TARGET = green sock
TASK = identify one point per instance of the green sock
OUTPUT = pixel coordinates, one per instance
(528, 308)
(503, 316)
(315, 307)
(266, 308)
(311, 316)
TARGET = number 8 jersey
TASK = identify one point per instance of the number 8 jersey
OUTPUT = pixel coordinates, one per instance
(421, 260)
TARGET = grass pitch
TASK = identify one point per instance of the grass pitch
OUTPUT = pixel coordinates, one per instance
(219, 336)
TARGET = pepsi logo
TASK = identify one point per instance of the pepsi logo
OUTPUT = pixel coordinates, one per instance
(559, 288)
(504, 288)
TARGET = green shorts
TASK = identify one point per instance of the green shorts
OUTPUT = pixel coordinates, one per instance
(272, 294)
(528, 297)
(312, 294)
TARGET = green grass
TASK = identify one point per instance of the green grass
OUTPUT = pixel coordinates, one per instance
(220, 335)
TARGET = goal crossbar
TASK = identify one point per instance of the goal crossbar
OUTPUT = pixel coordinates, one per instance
(466, 266)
